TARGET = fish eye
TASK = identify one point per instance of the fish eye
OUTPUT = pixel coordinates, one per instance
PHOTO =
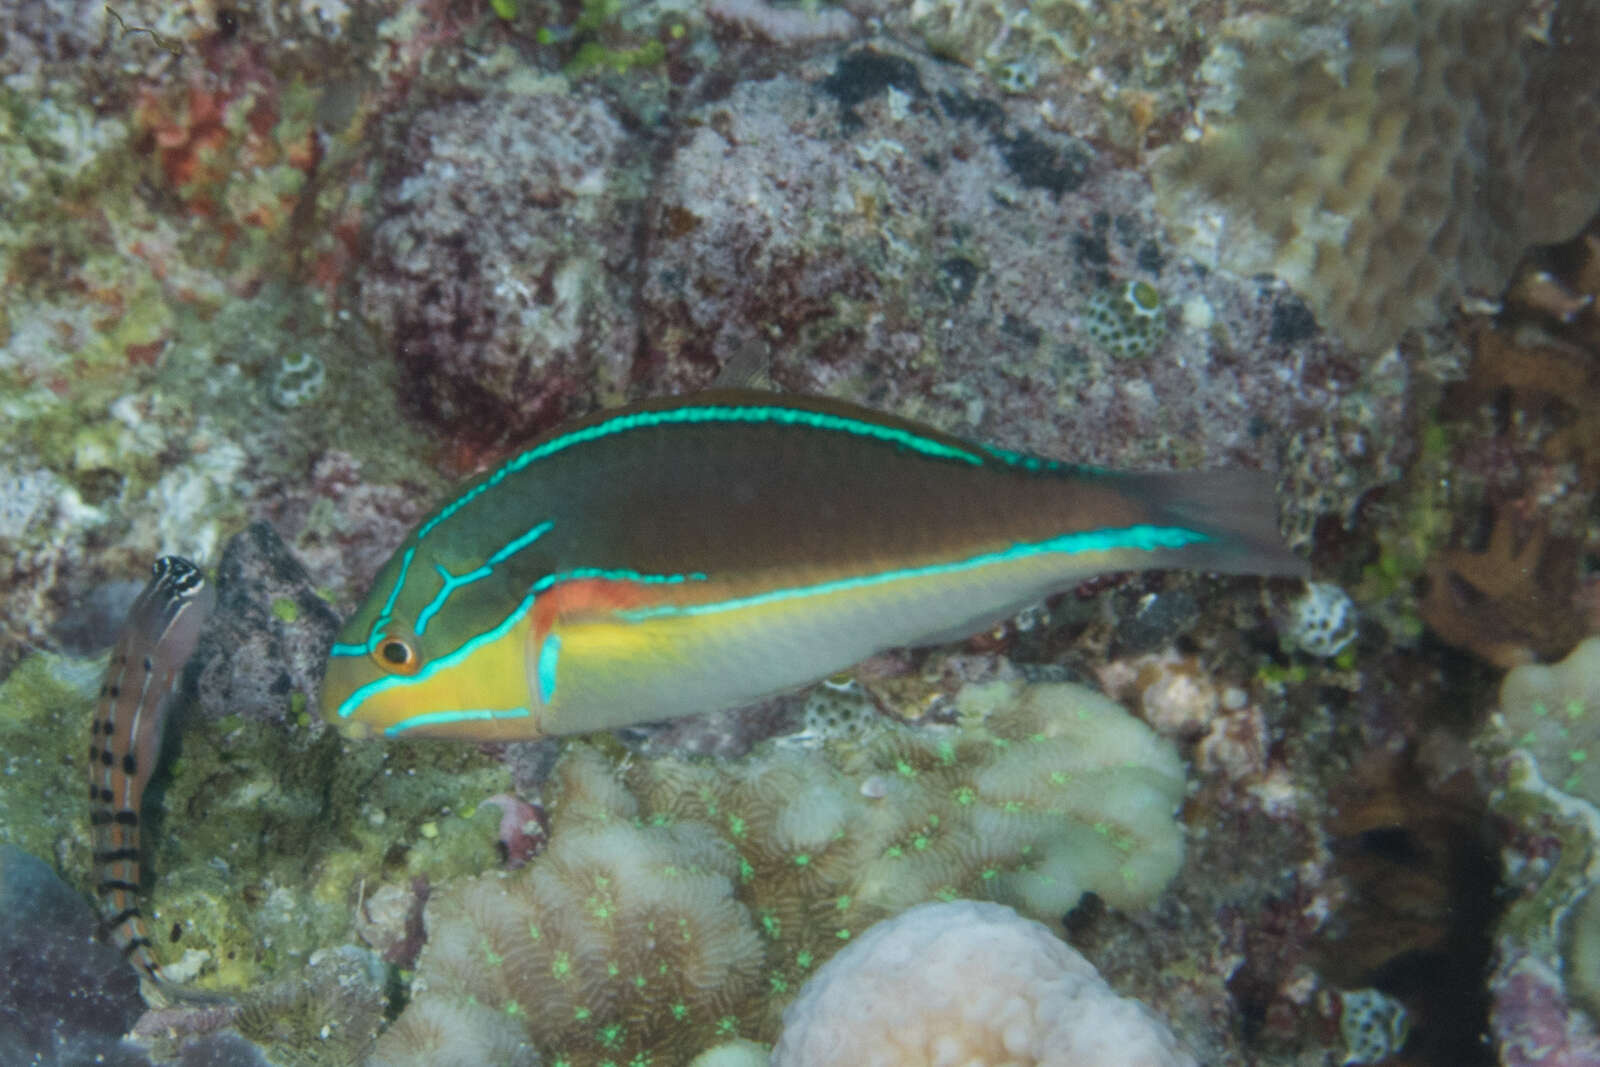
(396, 656)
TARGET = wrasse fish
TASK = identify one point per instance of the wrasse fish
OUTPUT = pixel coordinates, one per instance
(689, 554)
(130, 715)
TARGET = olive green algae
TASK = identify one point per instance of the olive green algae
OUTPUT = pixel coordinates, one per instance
(261, 838)
(275, 833)
(44, 728)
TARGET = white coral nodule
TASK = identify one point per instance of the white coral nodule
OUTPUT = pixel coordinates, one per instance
(967, 983)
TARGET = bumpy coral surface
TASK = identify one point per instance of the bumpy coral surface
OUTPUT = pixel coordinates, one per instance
(1553, 712)
(499, 277)
(967, 983)
(683, 902)
(1389, 164)
(1550, 798)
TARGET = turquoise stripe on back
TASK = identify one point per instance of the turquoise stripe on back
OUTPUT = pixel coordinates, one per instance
(699, 415)
(1138, 538)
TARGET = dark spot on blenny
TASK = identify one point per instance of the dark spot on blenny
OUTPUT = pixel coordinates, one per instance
(116, 855)
(127, 818)
(129, 764)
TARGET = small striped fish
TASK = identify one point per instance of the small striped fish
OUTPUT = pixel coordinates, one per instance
(146, 666)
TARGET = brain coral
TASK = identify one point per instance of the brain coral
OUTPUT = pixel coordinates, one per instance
(967, 983)
(1387, 165)
(680, 904)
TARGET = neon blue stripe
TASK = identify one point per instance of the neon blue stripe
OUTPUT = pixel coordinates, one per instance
(379, 685)
(348, 650)
(452, 582)
(549, 652)
(1143, 538)
(1040, 465)
(435, 718)
(405, 565)
(513, 547)
(613, 574)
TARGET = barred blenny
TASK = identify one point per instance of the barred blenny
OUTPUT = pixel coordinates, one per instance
(160, 635)
(694, 553)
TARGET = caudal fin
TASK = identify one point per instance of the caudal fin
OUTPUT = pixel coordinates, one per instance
(1236, 510)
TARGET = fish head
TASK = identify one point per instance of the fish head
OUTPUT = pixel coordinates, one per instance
(437, 650)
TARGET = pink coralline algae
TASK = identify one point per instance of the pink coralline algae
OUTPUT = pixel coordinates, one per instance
(1533, 1023)
(524, 829)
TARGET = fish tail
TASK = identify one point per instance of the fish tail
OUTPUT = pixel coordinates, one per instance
(1236, 511)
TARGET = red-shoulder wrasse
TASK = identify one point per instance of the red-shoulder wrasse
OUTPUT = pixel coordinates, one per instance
(696, 553)
(130, 715)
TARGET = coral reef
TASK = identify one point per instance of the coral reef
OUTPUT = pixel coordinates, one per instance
(1550, 800)
(1390, 162)
(679, 903)
(499, 270)
(1494, 519)
(222, 226)
(325, 1014)
(972, 983)
(1553, 714)
(1407, 947)
(901, 235)
(264, 834)
(1118, 71)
